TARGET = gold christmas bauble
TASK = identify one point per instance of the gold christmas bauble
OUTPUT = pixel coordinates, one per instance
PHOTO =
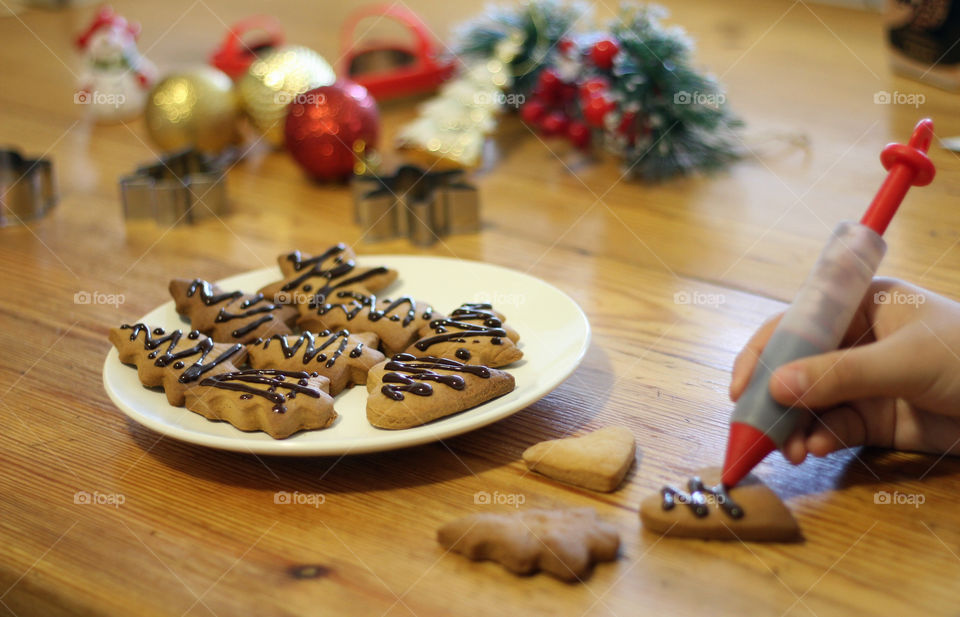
(197, 108)
(275, 80)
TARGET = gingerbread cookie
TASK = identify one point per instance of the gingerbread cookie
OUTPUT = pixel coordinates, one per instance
(473, 334)
(174, 360)
(749, 511)
(229, 317)
(341, 357)
(597, 461)
(564, 543)
(483, 314)
(306, 276)
(279, 403)
(395, 321)
(407, 391)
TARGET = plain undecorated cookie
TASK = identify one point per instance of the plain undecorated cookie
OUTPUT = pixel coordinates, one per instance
(597, 461)
(564, 543)
(765, 519)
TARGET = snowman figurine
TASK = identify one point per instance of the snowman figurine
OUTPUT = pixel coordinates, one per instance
(115, 78)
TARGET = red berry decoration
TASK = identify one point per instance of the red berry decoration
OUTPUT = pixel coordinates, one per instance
(565, 46)
(555, 123)
(592, 87)
(603, 52)
(329, 128)
(596, 110)
(549, 84)
(579, 135)
(532, 112)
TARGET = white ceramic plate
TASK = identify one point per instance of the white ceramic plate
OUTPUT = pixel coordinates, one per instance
(554, 334)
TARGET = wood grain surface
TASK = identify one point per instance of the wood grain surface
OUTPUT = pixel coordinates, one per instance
(198, 532)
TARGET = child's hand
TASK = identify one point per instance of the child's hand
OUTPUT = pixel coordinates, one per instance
(895, 383)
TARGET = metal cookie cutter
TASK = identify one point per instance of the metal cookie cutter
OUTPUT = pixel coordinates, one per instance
(414, 203)
(27, 189)
(183, 187)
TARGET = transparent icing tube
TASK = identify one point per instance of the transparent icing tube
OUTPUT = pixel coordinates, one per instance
(815, 323)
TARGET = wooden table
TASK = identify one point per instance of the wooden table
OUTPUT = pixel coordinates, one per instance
(198, 532)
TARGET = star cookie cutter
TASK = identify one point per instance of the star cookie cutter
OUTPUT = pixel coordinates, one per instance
(27, 190)
(183, 187)
(415, 203)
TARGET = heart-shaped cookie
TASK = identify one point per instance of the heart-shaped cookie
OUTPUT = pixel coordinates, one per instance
(749, 511)
(597, 461)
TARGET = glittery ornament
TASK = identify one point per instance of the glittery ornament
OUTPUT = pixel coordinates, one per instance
(331, 130)
(275, 80)
(197, 108)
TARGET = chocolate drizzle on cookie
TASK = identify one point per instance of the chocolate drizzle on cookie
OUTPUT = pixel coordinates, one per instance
(252, 306)
(408, 373)
(459, 331)
(354, 302)
(245, 382)
(336, 274)
(696, 498)
(173, 356)
(311, 351)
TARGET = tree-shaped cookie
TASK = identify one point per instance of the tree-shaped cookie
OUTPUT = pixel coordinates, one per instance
(473, 333)
(564, 543)
(408, 391)
(172, 359)
(279, 403)
(307, 276)
(342, 357)
(230, 317)
(396, 321)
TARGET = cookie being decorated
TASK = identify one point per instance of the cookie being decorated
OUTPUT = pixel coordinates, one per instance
(172, 359)
(749, 511)
(342, 357)
(563, 543)
(306, 277)
(396, 321)
(408, 391)
(230, 317)
(279, 403)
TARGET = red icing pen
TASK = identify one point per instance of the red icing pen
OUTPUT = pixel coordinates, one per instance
(823, 308)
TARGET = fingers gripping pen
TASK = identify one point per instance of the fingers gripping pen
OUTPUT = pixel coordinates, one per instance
(823, 308)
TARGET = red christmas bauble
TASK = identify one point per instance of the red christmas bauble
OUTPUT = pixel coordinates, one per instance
(579, 135)
(596, 110)
(603, 52)
(329, 129)
(532, 112)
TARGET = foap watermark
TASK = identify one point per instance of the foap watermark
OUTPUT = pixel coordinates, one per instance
(95, 97)
(96, 297)
(302, 98)
(709, 499)
(896, 498)
(898, 297)
(496, 498)
(293, 297)
(705, 99)
(916, 99)
(96, 498)
(699, 298)
(503, 99)
(498, 298)
(296, 498)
